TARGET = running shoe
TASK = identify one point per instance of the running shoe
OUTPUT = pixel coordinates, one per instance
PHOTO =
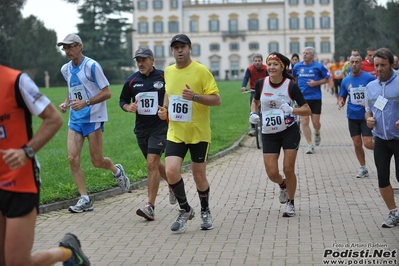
(181, 221)
(123, 181)
(317, 139)
(391, 221)
(71, 242)
(146, 212)
(310, 149)
(283, 197)
(83, 205)
(363, 172)
(289, 210)
(206, 220)
(172, 197)
(252, 132)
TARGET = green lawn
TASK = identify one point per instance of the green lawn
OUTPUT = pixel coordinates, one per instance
(228, 121)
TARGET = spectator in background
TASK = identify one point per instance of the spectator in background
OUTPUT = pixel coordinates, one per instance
(254, 72)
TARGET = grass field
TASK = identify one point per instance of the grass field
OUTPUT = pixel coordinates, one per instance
(228, 122)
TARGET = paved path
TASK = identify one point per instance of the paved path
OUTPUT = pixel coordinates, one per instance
(336, 212)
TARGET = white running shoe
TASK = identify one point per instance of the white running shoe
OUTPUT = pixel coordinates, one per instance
(206, 220)
(289, 210)
(363, 172)
(310, 149)
(283, 197)
(317, 139)
(83, 205)
(391, 221)
(172, 197)
(181, 221)
(123, 180)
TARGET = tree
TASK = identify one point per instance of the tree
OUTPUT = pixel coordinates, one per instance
(359, 24)
(10, 17)
(104, 32)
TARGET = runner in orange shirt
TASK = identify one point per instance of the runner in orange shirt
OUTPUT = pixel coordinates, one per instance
(335, 70)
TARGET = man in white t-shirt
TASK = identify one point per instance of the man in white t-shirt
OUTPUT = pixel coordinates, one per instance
(87, 94)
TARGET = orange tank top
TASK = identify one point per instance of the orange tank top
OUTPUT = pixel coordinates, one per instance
(15, 131)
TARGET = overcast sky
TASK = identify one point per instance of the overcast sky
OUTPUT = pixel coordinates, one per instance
(60, 15)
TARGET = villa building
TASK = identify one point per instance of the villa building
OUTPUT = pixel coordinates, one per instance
(225, 34)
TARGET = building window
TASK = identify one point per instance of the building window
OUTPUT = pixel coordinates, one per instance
(310, 44)
(234, 66)
(324, 2)
(215, 66)
(294, 47)
(325, 22)
(193, 26)
(294, 23)
(196, 50)
(272, 23)
(214, 47)
(273, 47)
(173, 27)
(253, 24)
(156, 4)
(233, 25)
(174, 4)
(253, 46)
(142, 5)
(234, 46)
(293, 2)
(214, 25)
(143, 27)
(325, 47)
(158, 27)
(309, 23)
(159, 51)
(309, 2)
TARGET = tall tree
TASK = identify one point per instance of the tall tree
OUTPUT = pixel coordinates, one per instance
(104, 32)
(358, 24)
(10, 17)
(390, 26)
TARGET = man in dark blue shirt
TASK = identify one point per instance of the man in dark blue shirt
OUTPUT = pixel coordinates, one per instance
(142, 94)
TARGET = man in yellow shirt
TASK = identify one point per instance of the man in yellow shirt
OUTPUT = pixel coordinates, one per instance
(190, 91)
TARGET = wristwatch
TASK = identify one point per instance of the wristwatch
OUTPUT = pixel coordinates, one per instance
(30, 153)
(88, 102)
(196, 98)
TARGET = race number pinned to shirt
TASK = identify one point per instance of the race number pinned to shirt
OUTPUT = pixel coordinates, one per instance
(273, 121)
(358, 95)
(380, 103)
(180, 110)
(78, 92)
(147, 103)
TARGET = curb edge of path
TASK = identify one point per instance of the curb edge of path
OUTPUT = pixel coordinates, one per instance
(45, 208)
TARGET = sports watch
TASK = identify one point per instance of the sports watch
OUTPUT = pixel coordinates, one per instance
(88, 102)
(30, 153)
(196, 98)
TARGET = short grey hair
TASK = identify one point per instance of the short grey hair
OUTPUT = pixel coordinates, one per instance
(311, 49)
(257, 55)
